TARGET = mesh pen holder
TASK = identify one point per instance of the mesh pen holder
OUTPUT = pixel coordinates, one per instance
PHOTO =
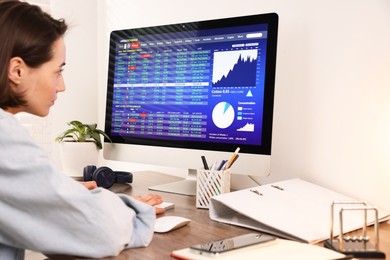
(210, 183)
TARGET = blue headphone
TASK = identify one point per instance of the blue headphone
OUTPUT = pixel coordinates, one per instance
(105, 177)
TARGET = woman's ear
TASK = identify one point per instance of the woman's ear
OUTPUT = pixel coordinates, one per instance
(15, 70)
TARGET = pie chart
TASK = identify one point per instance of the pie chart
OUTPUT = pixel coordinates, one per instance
(223, 115)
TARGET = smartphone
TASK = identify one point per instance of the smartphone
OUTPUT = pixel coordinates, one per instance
(225, 245)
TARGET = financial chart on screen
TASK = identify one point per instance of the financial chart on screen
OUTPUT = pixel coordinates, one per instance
(181, 84)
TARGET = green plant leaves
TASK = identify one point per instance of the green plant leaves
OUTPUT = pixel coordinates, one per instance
(80, 132)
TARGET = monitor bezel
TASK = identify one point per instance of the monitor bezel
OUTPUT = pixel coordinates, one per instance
(271, 19)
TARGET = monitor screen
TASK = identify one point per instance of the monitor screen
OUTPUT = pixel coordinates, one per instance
(204, 86)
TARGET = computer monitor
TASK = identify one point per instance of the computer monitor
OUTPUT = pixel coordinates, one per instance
(181, 91)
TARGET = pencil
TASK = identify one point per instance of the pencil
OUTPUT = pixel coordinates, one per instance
(232, 158)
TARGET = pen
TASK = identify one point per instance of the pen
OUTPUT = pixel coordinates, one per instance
(232, 158)
(206, 167)
(220, 167)
(224, 165)
(213, 166)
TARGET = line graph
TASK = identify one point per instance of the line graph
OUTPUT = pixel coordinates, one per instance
(235, 68)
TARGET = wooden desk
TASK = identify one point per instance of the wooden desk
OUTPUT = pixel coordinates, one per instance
(201, 229)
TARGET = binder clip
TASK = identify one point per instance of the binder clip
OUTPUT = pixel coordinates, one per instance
(357, 246)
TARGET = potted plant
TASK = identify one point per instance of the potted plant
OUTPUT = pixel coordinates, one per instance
(79, 147)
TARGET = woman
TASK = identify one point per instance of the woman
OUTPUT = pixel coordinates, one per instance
(40, 208)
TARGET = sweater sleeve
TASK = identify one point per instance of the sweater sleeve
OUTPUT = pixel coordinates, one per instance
(46, 211)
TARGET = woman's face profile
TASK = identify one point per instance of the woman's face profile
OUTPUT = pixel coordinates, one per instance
(41, 85)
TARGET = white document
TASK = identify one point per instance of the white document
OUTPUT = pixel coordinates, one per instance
(293, 209)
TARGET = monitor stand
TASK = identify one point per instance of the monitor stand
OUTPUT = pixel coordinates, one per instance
(183, 187)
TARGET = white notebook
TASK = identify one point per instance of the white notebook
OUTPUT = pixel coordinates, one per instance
(280, 250)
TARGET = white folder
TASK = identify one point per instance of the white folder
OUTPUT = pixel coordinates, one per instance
(293, 209)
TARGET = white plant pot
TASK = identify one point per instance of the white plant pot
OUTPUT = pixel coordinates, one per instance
(75, 156)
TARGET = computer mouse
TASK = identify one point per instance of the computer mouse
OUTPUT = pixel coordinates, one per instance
(169, 223)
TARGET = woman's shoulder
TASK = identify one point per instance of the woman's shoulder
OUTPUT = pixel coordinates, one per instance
(10, 122)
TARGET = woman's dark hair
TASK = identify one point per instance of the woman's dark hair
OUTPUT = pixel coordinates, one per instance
(26, 32)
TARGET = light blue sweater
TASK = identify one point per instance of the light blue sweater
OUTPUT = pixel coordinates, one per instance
(46, 211)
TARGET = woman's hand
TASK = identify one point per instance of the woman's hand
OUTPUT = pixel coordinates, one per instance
(152, 200)
(90, 185)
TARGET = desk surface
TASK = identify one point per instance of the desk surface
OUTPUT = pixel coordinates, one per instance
(201, 229)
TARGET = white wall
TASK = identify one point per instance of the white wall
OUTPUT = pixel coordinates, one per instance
(332, 114)
(332, 103)
(79, 101)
